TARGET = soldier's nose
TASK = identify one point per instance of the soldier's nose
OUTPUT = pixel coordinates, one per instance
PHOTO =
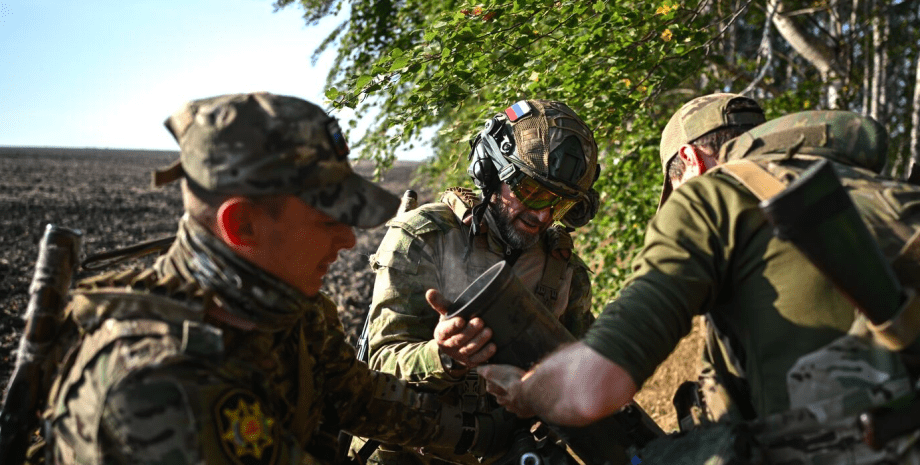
(345, 237)
(544, 215)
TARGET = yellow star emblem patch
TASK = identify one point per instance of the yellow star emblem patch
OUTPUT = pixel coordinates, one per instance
(245, 431)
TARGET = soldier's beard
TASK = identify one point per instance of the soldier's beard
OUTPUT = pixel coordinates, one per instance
(512, 236)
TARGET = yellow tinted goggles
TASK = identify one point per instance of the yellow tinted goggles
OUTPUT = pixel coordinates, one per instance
(536, 196)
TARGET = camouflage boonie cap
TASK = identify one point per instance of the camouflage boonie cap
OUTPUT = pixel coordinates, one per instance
(542, 131)
(839, 135)
(263, 144)
(699, 117)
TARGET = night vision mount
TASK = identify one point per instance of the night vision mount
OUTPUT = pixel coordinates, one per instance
(491, 155)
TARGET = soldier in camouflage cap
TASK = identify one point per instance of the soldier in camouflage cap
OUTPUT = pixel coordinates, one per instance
(810, 365)
(224, 351)
(264, 144)
(535, 164)
(694, 134)
(689, 147)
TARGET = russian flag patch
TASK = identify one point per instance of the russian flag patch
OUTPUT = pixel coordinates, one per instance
(517, 111)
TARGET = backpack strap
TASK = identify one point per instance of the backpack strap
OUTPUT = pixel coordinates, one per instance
(559, 247)
(754, 177)
(553, 272)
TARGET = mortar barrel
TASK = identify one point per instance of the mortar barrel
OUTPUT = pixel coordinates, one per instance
(523, 329)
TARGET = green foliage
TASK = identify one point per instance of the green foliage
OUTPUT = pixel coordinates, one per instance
(623, 65)
(451, 64)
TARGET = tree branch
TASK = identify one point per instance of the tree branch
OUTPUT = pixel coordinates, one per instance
(809, 47)
(765, 50)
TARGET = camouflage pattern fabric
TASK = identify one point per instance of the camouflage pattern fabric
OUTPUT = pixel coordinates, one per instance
(723, 390)
(841, 136)
(426, 248)
(540, 134)
(263, 144)
(829, 388)
(158, 374)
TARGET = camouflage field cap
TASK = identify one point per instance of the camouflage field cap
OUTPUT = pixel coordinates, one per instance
(842, 136)
(553, 145)
(699, 117)
(262, 144)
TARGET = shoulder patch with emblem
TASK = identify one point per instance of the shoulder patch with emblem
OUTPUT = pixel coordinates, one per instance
(247, 435)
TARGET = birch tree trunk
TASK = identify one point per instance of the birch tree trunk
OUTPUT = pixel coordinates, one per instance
(877, 104)
(811, 48)
(913, 166)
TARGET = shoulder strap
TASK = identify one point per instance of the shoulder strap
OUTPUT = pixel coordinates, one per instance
(754, 177)
(551, 282)
(556, 264)
(460, 199)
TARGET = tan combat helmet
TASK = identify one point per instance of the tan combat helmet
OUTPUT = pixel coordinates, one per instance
(545, 141)
(699, 117)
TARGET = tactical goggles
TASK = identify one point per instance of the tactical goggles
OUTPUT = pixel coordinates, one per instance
(536, 196)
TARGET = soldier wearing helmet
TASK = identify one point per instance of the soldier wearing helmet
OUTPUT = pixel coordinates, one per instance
(535, 164)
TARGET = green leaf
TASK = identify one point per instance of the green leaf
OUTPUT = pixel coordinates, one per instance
(362, 81)
(515, 59)
(399, 63)
(599, 6)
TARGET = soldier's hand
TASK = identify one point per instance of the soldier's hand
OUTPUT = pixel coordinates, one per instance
(505, 383)
(466, 342)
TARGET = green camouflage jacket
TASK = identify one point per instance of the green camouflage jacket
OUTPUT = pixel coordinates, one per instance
(426, 248)
(150, 379)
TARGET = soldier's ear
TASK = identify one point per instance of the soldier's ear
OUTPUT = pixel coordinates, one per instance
(694, 164)
(236, 222)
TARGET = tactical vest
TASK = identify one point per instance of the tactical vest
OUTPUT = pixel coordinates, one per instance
(559, 245)
(470, 392)
(116, 306)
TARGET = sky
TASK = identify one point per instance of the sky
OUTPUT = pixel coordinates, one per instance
(106, 74)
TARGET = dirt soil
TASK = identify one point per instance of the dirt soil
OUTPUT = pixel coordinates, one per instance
(107, 194)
